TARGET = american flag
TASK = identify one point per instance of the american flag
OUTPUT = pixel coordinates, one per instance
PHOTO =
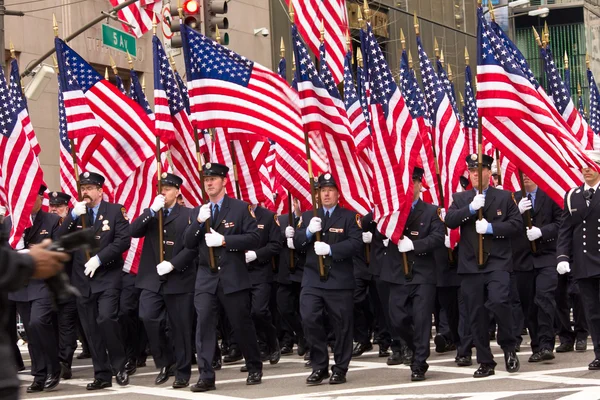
(183, 90)
(221, 153)
(415, 100)
(594, 103)
(16, 93)
(363, 92)
(470, 120)
(448, 86)
(21, 173)
(68, 184)
(136, 93)
(563, 102)
(450, 141)
(393, 187)
(127, 131)
(520, 123)
(119, 84)
(310, 15)
(581, 107)
(138, 14)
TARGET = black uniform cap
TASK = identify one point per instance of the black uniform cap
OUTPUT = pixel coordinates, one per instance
(418, 173)
(91, 178)
(215, 169)
(167, 179)
(486, 161)
(59, 198)
(42, 190)
(326, 180)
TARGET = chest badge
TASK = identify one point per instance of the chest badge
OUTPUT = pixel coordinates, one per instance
(105, 226)
(44, 232)
(100, 217)
(414, 233)
(498, 212)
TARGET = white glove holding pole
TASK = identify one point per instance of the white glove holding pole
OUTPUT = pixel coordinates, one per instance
(405, 245)
(447, 242)
(290, 232)
(214, 238)
(481, 226)
(205, 213)
(534, 233)
(367, 237)
(322, 249)
(478, 202)
(250, 256)
(91, 266)
(164, 268)
(80, 208)
(315, 225)
(158, 203)
(524, 205)
(290, 244)
(563, 267)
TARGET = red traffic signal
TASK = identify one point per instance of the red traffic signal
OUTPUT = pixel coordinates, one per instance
(191, 7)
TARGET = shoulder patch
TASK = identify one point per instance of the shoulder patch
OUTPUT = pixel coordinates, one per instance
(276, 220)
(124, 212)
(513, 197)
(251, 211)
(358, 221)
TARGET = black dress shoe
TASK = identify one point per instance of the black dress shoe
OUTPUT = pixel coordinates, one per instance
(317, 377)
(275, 356)
(511, 361)
(244, 368)
(217, 364)
(131, 367)
(308, 364)
(484, 371)
(20, 368)
(122, 378)
(98, 384)
(395, 358)
(384, 351)
(518, 348)
(463, 361)
(492, 335)
(140, 363)
(417, 375)
(307, 356)
(65, 371)
(360, 348)
(287, 350)
(564, 348)
(36, 387)
(546, 355)
(83, 355)
(440, 343)
(337, 378)
(407, 356)
(181, 383)
(52, 381)
(233, 356)
(581, 345)
(301, 348)
(194, 361)
(254, 378)
(164, 374)
(264, 356)
(535, 357)
(203, 385)
(594, 365)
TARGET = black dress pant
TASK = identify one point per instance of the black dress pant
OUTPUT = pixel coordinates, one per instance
(260, 299)
(448, 300)
(568, 296)
(288, 302)
(66, 324)
(132, 330)
(363, 316)
(484, 293)
(38, 318)
(12, 330)
(590, 297)
(464, 327)
(176, 348)
(339, 304)
(388, 332)
(99, 319)
(413, 303)
(237, 308)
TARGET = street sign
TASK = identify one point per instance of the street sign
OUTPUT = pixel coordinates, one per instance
(166, 22)
(117, 39)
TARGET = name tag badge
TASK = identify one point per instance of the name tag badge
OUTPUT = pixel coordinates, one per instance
(414, 233)
(573, 209)
(336, 230)
(97, 237)
(44, 232)
(261, 226)
(231, 225)
(169, 243)
(498, 212)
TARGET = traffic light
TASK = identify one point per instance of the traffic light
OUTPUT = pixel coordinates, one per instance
(191, 18)
(214, 17)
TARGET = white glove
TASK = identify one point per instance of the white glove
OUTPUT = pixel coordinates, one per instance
(91, 266)
(205, 213)
(322, 248)
(478, 202)
(214, 238)
(290, 232)
(290, 244)
(164, 268)
(367, 237)
(447, 242)
(481, 226)
(250, 256)
(158, 203)
(20, 244)
(443, 214)
(315, 225)
(499, 187)
(386, 242)
(524, 205)
(534, 233)
(405, 245)
(2, 211)
(563, 267)
(80, 208)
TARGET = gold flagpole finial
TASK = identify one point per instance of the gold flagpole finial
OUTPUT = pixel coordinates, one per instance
(54, 25)
(348, 40)
(291, 11)
(491, 8)
(154, 23)
(587, 60)
(537, 37)
(466, 55)
(462, 100)
(172, 62)
(144, 84)
(106, 73)
(180, 9)
(55, 63)
(410, 60)
(129, 60)
(449, 73)
(113, 65)
(282, 48)
(442, 60)
(293, 62)
(361, 21)
(359, 57)
(218, 34)
(12, 50)
(416, 24)
(367, 11)
(402, 39)
(566, 60)
(546, 33)
(578, 89)
(436, 48)
(322, 32)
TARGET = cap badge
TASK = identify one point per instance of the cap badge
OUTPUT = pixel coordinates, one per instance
(86, 174)
(54, 194)
(207, 165)
(327, 176)
(474, 157)
(163, 175)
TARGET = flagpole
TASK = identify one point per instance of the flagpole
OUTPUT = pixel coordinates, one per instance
(527, 214)
(235, 171)
(161, 250)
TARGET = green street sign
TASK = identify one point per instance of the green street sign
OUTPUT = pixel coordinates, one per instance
(119, 40)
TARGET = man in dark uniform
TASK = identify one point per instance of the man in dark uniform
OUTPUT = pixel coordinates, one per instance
(486, 287)
(535, 273)
(577, 243)
(340, 242)
(233, 231)
(35, 307)
(412, 286)
(99, 279)
(167, 287)
(67, 319)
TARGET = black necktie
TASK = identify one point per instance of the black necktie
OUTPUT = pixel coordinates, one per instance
(591, 191)
(530, 199)
(165, 213)
(91, 216)
(215, 214)
(326, 219)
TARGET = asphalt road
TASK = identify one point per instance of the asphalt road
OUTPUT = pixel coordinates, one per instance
(566, 377)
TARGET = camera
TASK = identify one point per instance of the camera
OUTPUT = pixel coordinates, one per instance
(264, 32)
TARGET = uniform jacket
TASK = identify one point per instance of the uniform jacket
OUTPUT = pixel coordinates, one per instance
(45, 226)
(502, 212)
(283, 270)
(181, 279)
(261, 269)
(546, 215)
(237, 223)
(111, 230)
(344, 234)
(425, 228)
(579, 235)
(379, 253)
(361, 267)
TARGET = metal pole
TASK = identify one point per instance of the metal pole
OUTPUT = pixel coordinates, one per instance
(291, 223)
(161, 253)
